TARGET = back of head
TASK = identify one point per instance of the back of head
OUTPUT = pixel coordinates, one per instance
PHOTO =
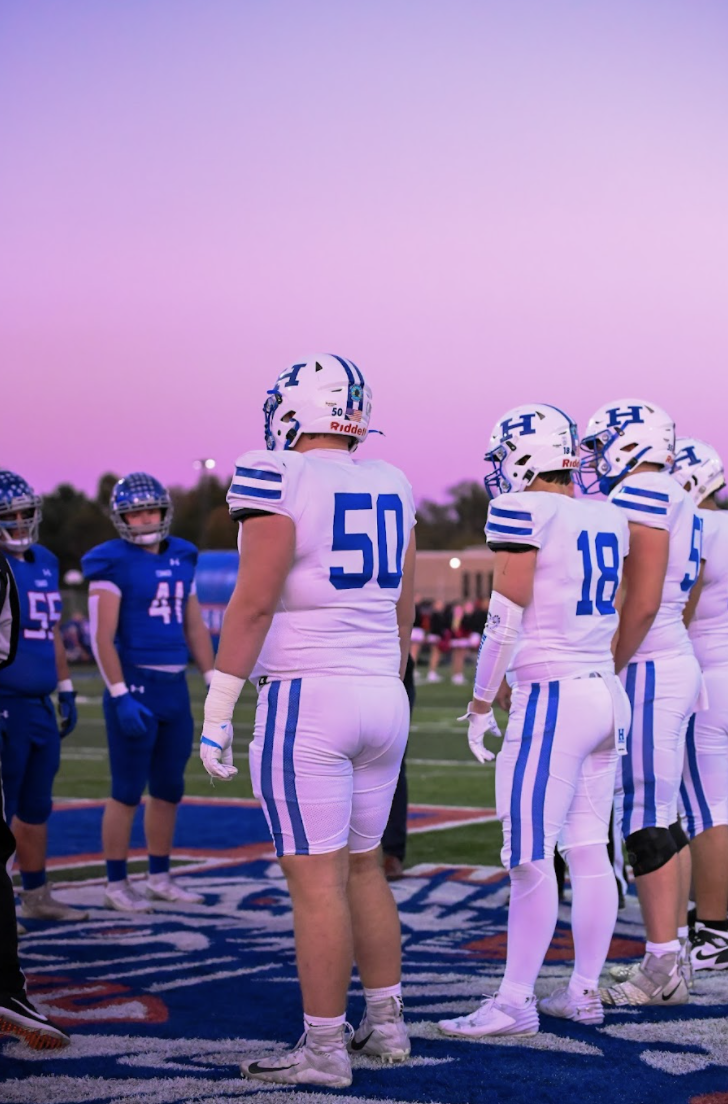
(698, 468)
(534, 439)
(324, 394)
(20, 513)
(619, 436)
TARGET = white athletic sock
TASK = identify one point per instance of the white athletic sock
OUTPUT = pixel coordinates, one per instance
(594, 902)
(578, 985)
(682, 933)
(532, 917)
(373, 995)
(660, 949)
(324, 1029)
(512, 993)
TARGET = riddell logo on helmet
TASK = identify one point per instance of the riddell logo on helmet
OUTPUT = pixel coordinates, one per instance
(348, 427)
(569, 462)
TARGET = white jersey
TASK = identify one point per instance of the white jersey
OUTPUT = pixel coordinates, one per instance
(708, 629)
(657, 500)
(353, 518)
(568, 626)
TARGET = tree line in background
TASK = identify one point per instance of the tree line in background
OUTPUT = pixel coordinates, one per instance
(73, 522)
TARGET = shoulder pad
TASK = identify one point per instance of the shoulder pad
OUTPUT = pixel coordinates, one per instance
(519, 518)
(183, 548)
(44, 555)
(646, 498)
(263, 481)
(102, 562)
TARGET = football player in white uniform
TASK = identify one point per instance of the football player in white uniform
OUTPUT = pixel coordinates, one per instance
(320, 619)
(551, 621)
(630, 446)
(704, 790)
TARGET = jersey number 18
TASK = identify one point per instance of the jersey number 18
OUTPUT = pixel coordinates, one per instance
(606, 554)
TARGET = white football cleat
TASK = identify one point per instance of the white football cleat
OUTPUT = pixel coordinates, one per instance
(382, 1032)
(309, 1063)
(585, 1008)
(123, 897)
(709, 949)
(494, 1017)
(658, 980)
(162, 887)
(432, 676)
(40, 904)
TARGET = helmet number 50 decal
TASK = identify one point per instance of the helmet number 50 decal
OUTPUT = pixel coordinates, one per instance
(389, 524)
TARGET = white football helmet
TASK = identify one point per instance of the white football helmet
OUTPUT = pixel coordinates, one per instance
(323, 394)
(528, 441)
(698, 468)
(621, 435)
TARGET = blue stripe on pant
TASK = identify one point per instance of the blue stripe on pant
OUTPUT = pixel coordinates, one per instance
(289, 771)
(692, 762)
(518, 774)
(627, 775)
(648, 745)
(542, 773)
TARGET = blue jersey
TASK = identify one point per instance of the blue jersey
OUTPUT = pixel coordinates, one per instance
(33, 672)
(154, 589)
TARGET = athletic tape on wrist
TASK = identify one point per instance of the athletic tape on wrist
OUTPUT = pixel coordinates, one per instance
(222, 695)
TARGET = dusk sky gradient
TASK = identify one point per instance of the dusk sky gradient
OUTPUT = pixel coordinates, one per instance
(478, 202)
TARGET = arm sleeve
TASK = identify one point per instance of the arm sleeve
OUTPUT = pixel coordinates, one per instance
(643, 505)
(263, 481)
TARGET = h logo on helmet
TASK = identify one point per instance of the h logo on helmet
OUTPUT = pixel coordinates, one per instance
(619, 417)
(524, 424)
(290, 378)
(687, 457)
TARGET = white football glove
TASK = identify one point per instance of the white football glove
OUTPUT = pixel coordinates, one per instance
(478, 725)
(216, 751)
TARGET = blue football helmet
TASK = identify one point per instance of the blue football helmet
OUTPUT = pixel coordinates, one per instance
(140, 491)
(698, 468)
(621, 435)
(18, 497)
(321, 394)
(527, 441)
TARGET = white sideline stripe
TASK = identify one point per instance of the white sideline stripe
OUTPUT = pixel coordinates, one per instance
(200, 980)
(177, 966)
(487, 818)
(99, 755)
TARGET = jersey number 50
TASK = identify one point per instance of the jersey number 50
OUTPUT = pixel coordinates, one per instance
(387, 506)
(606, 549)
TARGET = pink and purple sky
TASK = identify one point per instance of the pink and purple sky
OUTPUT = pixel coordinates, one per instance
(479, 202)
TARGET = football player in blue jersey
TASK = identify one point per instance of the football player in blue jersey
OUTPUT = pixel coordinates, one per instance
(31, 741)
(145, 621)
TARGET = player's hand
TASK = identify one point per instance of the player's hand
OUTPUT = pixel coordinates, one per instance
(503, 697)
(131, 714)
(216, 751)
(480, 724)
(67, 711)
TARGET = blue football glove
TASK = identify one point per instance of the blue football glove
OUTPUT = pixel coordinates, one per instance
(67, 711)
(131, 714)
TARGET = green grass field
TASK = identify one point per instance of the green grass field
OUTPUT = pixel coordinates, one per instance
(441, 769)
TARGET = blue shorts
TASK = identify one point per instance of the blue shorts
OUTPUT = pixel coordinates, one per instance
(31, 755)
(157, 758)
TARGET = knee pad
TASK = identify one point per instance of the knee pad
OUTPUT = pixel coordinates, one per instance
(650, 848)
(126, 792)
(678, 834)
(528, 876)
